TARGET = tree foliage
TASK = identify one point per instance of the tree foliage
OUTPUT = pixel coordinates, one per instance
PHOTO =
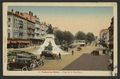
(63, 37)
(90, 37)
(68, 37)
(59, 36)
(80, 35)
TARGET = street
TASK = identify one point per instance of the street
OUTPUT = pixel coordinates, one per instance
(80, 60)
(89, 62)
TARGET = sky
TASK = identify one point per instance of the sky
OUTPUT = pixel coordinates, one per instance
(73, 19)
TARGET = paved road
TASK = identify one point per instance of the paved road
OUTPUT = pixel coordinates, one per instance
(89, 62)
(81, 60)
(66, 59)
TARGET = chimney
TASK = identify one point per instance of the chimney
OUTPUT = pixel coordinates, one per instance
(17, 12)
(30, 13)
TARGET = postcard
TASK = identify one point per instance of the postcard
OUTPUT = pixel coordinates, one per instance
(60, 39)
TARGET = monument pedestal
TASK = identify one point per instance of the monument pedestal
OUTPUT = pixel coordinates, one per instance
(50, 38)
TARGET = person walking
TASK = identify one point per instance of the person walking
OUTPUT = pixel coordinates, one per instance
(72, 52)
(59, 56)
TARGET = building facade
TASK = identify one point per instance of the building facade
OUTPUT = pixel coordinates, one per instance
(108, 34)
(37, 28)
(111, 33)
(23, 29)
(104, 36)
(43, 28)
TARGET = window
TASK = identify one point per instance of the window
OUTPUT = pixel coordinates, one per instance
(8, 25)
(15, 34)
(8, 30)
(9, 19)
(8, 35)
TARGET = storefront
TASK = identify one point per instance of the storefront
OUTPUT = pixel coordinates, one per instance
(18, 43)
(37, 41)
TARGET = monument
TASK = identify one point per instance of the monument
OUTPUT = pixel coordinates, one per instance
(50, 39)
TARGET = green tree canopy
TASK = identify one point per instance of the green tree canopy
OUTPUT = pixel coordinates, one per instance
(58, 36)
(90, 37)
(80, 35)
(68, 37)
(63, 37)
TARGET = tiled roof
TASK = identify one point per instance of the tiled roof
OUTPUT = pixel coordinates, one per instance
(17, 15)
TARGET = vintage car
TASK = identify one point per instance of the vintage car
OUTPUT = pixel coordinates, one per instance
(20, 60)
(48, 54)
(79, 48)
(95, 52)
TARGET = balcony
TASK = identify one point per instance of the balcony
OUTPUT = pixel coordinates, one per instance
(29, 27)
(21, 26)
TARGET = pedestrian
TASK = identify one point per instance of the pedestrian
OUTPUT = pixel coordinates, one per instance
(72, 52)
(59, 56)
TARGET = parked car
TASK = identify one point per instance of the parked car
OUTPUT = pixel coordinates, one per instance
(95, 52)
(47, 53)
(65, 48)
(79, 48)
(20, 60)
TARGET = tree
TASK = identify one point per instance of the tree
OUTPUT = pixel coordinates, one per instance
(90, 37)
(58, 36)
(63, 37)
(80, 35)
(50, 29)
(68, 37)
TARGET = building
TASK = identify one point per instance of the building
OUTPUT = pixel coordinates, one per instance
(17, 30)
(111, 35)
(37, 36)
(30, 29)
(43, 28)
(34, 31)
(10, 25)
(37, 28)
(104, 37)
(107, 34)
(23, 29)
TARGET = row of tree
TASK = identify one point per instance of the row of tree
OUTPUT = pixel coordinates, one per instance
(89, 37)
(66, 37)
(63, 37)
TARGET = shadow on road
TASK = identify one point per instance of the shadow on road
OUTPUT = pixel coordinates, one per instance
(89, 62)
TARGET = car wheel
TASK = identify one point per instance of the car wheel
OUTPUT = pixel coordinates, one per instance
(32, 65)
(39, 62)
(8, 67)
(43, 57)
(25, 68)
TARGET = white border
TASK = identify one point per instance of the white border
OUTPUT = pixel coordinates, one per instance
(56, 72)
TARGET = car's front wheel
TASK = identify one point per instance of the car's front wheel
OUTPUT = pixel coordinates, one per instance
(25, 68)
(8, 67)
(32, 65)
